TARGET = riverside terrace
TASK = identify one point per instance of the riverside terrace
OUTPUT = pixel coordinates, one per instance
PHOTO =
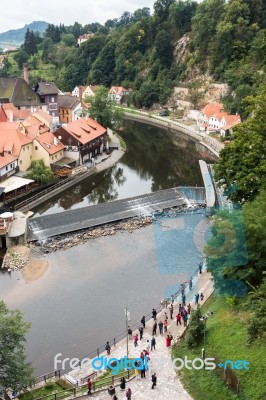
(48, 226)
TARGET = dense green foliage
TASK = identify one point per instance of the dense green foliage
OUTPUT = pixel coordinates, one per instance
(39, 172)
(139, 50)
(15, 371)
(102, 109)
(226, 339)
(195, 332)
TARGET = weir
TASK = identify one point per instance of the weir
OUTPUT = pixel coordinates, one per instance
(42, 228)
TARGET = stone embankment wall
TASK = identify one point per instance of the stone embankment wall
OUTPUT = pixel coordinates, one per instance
(210, 143)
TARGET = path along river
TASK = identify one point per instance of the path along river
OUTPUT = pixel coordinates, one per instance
(78, 302)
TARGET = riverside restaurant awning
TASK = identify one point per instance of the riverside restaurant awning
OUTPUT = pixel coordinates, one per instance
(14, 182)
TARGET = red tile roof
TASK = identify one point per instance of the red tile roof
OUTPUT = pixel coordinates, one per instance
(6, 159)
(15, 113)
(84, 130)
(50, 143)
(212, 109)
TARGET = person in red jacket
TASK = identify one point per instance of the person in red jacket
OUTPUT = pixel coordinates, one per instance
(89, 383)
(178, 319)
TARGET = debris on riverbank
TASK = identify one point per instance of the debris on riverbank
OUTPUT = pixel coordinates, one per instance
(69, 240)
(74, 239)
(16, 258)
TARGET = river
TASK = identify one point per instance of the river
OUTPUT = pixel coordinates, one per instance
(78, 302)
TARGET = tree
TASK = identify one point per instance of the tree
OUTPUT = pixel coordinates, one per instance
(103, 110)
(21, 57)
(161, 9)
(68, 39)
(164, 47)
(242, 164)
(39, 172)
(195, 332)
(104, 66)
(30, 44)
(15, 371)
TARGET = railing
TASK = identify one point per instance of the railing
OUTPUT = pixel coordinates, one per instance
(97, 385)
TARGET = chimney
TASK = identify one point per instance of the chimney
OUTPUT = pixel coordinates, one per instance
(26, 73)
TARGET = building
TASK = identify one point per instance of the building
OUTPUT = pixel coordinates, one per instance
(69, 107)
(48, 93)
(118, 93)
(84, 38)
(19, 92)
(84, 91)
(213, 118)
(83, 139)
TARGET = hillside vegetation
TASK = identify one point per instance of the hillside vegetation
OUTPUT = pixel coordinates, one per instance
(181, 44)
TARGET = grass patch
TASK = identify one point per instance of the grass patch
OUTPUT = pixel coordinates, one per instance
(121, 142)
(226, 339)
(48, 390)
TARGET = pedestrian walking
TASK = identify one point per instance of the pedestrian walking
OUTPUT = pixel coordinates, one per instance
(143, 371)
(180, 308)
(190, 284)
(160, 327)
(154, 328)
(154, 380)
(129, 332)
(153, 343)
(201, 296)
(184, 300)
(108, 348)
(136, 339)
(171, 310)
(140, 332)
(178, 319)
(185, 318)
(165, 325)
(89, 383)
(128, 394)
(200, 267)
(168, 341)
(154, 314)
(196, 298)
(165, 316)
(123, 383)
(188, 308)
(143, 321)
(148, 346)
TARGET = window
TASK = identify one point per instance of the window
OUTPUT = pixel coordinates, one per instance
(20, 162)
(52, 99)
(23, 148)
(52, 157)
(36, 147)
(11, 166)
(56, 156)
(28, 147)
(6, 168)
(53, 106)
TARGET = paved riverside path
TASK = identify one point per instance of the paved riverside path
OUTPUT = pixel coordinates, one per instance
(41, 228)
(169, 386)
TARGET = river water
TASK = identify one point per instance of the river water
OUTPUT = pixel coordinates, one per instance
(78, 302)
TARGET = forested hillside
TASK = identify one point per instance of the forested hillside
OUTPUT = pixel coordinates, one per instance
(150, 54)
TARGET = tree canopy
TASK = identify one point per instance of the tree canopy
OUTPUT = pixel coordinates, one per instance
(15, 371)
(103, 109)
(241, 168)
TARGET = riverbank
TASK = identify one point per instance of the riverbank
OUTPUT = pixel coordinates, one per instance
(210, 143)
(169, 385)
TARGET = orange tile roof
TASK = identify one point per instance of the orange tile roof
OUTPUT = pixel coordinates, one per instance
(49, 142)
(117, 90)
(84, 130)
(212, 109)
(17, 114)
(6, 159)
(15, 137)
